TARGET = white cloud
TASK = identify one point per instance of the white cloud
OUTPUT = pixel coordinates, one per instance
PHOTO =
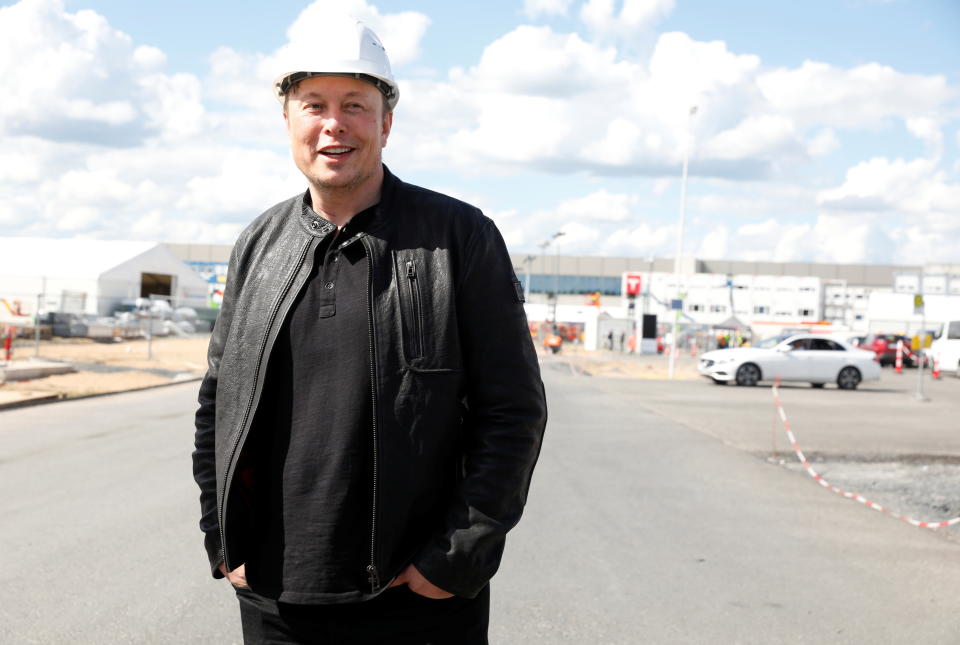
(602, 17)
(240, 184)
(863, 97)
(733, 200)
(578, 105)
(714, 244)
(927, 130)
(101, 85)
(173, 107)
(824, 143)
(577, 235)
(757, 136)
(758, 228)
(916, 187)
(134, 149)
(909, 208)
(599, 205)
(535, 8)
(641, 240)
(553, 65)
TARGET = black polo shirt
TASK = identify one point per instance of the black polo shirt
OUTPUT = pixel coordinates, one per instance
(312, 437)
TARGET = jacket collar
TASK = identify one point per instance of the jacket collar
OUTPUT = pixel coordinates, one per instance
(379, 225)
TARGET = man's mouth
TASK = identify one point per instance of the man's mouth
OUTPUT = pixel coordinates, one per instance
(335, 151)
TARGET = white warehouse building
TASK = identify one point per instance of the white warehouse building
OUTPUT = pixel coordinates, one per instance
(84, 276)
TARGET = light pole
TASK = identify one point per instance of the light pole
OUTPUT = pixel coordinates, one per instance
(543, 249)
(675, 345)
(528, 261)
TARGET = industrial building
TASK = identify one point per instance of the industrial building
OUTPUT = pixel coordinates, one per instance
(83, 276)
(763, 296)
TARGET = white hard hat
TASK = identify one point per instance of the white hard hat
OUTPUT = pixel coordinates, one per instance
(347, 47)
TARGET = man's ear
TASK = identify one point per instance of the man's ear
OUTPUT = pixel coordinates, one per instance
(385, 129)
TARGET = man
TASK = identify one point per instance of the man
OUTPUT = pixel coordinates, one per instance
(372, 410)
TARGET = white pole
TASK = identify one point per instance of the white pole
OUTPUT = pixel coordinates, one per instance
(674, 349)
(36, 318)
(921, 354)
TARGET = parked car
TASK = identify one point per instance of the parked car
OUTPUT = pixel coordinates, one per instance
(804, 357)
(946, 348)
(885, 347)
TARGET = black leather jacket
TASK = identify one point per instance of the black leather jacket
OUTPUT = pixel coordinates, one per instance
(459, 407)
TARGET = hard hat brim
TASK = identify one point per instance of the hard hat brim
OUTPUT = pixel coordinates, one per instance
(387, 86)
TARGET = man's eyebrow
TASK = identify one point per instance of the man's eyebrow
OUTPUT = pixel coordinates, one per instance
(316, 95)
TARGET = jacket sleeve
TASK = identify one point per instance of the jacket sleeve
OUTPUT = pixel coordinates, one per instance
(504, 424)
(204, 453)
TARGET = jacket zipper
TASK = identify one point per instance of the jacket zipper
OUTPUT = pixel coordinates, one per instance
(373, 576)
(417, 350)
(253, 393)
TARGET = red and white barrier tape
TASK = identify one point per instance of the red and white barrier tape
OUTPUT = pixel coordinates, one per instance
(854, 496)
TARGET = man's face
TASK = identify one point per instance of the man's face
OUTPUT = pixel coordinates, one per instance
(337, 129)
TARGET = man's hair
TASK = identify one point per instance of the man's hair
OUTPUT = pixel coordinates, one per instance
(286, 99)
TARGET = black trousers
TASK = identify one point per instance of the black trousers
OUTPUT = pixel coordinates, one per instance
(396, 617)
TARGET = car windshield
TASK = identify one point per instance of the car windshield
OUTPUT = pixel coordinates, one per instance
(770, 343)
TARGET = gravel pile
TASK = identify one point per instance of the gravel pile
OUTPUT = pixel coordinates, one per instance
(921, 488)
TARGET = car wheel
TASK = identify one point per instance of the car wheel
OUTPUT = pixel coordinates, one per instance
(748, 374)
(817, 385)
(848, 378)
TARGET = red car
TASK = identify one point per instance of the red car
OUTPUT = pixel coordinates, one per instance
(885, 347)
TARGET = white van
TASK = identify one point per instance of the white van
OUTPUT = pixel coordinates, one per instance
(946, 348)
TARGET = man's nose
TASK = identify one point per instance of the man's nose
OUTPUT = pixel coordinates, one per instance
(333, 122)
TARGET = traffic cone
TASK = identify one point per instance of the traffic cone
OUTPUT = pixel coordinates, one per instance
(899, 363)
(8, 343)
(936, 368)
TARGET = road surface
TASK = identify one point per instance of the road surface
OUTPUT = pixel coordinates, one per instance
(639, 529)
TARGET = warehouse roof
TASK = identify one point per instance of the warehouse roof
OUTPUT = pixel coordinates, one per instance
(76, 258)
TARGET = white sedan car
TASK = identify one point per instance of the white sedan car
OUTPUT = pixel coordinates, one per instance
(807, 358)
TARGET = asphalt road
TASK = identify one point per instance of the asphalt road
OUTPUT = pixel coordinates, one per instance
(642, 527)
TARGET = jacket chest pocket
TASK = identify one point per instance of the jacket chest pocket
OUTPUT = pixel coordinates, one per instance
(411, 305)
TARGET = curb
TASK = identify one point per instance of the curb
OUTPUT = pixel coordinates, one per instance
(57, 398)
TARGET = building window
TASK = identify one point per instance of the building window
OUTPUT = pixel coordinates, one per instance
(571, 284)
(806, 313)
(761, 309)
(718, 309)
(694, 307)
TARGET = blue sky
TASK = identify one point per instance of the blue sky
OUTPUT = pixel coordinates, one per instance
(826, 130)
